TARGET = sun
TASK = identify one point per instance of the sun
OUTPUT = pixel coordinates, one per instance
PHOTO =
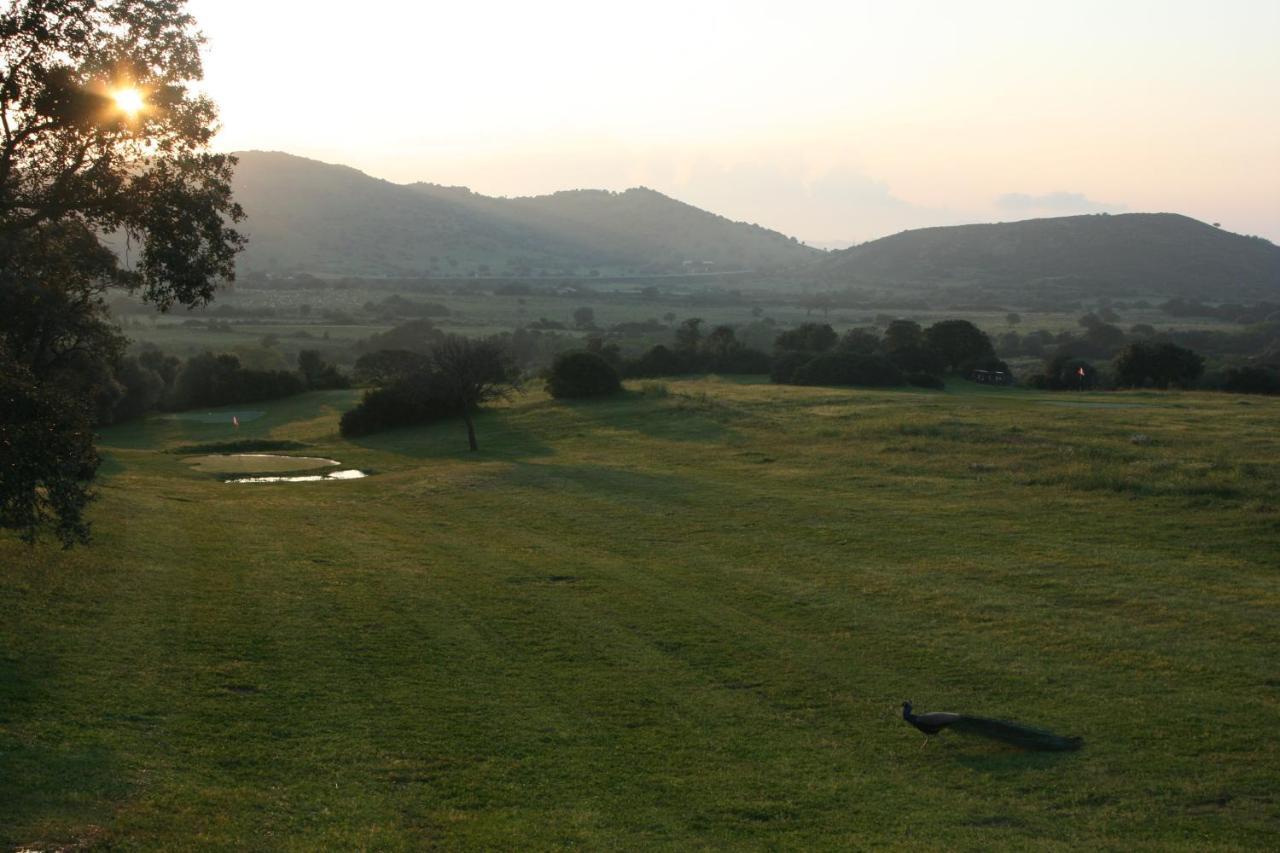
(129, 101)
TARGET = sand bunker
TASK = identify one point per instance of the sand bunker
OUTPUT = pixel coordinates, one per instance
(257, 463)
(349, 474)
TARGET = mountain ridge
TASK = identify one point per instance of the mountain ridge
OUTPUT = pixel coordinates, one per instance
(309, 216)
(306, 215)
(1093, 254)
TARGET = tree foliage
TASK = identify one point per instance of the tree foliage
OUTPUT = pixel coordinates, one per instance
(456, 378)
(47, 459)
(1157, 364)
(807, 337)
(75, 164)
(582, 374)
(473, 372)
(959, 344)
(71, 158)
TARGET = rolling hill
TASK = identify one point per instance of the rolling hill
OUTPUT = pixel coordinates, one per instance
(1132, 254)
(315, 217)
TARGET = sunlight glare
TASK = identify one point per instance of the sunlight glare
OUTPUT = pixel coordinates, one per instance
(129, 101)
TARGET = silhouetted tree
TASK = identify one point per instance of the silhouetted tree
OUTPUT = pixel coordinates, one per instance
(848, 368)
(860, 341)
(73, 165)
(47, 458)
(610, 352)
(689, 335)
(471, 373)
(905, 344)
(959, 344)
(418, 336)
(385, 367)
(1066, 372)
(658, 361)
(721, 343)
(807, 337)
(1155, 364)
(318, 374)
(1252, 380)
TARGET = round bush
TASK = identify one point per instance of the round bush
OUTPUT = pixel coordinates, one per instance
(582, 374)
(926, 380)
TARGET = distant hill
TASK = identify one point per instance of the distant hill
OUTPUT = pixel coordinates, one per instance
(1132, 254)
(315, 217)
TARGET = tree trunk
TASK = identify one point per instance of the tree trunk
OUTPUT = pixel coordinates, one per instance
(471, 428)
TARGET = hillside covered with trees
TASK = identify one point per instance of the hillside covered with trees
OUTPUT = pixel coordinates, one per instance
(314, 217)
(1070, 257)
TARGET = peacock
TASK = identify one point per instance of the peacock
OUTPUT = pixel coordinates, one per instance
(1024, 737)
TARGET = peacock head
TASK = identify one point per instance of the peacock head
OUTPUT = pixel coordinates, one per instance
(906, 707)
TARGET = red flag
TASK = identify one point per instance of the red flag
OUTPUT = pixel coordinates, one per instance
(1080, 371)
(235, 422)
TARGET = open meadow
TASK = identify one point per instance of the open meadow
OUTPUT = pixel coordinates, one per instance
(685, 617)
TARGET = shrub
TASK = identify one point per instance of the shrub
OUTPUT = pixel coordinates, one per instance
(959, 344)
(1065, 372)
(219, 380)
(1252, 380)
(409, 402)
(582, 374)
(785, 365)
(807, 337)
(319, 375)
(658, 361)
(926, 380)
(386, 367)
(742, 360)
(848, 368)
(1158, 364)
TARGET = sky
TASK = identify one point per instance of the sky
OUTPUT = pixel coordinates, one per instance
(835, 122)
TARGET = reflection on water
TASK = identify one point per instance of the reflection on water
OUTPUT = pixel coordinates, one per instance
(349, 474)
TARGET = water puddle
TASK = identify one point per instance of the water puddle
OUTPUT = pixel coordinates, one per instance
(349, 474)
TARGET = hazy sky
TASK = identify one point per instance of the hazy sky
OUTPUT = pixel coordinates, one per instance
(830, 121)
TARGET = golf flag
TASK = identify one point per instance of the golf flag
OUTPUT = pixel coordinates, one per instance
(1079, 372)
(235, 422)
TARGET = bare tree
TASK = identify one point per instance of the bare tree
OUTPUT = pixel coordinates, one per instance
(472, 372)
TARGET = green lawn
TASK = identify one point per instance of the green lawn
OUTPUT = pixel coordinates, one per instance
(685, 618)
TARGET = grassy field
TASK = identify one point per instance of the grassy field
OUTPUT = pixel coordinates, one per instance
(684, 618)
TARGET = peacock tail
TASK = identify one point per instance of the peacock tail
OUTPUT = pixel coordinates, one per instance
(1025, 737)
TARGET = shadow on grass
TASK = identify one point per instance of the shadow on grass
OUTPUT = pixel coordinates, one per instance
(42, 783)
(662, 414)
(215, 425)
(498, 433)
(1006, 762)
(614, 483)
(110, 466)
(503, 433)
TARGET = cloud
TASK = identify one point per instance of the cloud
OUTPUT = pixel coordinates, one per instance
(1055, 202)
(833, 206)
